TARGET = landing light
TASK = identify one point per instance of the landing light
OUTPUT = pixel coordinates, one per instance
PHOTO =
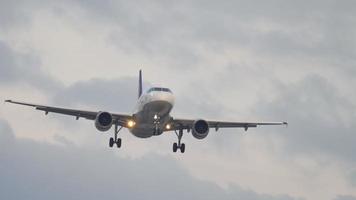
(131, 123)
(168, 126)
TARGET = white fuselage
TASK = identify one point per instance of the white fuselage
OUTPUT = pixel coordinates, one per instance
(152, 113)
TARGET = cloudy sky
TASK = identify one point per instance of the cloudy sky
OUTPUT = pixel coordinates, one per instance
(276, 60)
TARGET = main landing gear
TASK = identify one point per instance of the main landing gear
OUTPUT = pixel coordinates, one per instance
(115, 140)
(179, 145)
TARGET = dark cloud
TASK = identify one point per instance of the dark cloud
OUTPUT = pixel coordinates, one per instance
(34, 170)
(18, 68)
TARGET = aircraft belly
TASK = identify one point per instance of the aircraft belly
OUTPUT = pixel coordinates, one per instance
(145, 126)
(142, 132)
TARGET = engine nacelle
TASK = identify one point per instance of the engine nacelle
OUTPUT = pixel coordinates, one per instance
(200, 129)
(103, 121)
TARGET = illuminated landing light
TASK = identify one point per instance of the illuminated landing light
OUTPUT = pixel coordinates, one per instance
(168, 126)
(131, 123)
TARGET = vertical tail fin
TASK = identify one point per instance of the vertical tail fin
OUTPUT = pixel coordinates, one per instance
(140, 84)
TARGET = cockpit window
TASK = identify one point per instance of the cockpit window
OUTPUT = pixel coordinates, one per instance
(159, 89)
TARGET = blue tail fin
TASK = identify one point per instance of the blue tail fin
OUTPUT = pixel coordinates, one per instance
(140, 84)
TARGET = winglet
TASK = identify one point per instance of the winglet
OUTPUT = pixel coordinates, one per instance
(140, 84)
(8, 101)
(285, 123)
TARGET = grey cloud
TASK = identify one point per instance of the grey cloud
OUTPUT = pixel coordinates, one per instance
(293, 29)
(310, 103)
(320, 118)
(34, 170)
(6, 134)
(177, 32)
(11, 14)
(300, 30)
(179, 27)
(345, 197)
(353, 178)
(322, 29)
(17, 68)
(112, 95)
(19, 14)
(201, 104)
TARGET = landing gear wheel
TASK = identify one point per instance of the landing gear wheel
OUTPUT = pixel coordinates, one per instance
(182, 148)
(118, 143)
(111, 142)
(116, 140)
(179, 145)
(175, 147)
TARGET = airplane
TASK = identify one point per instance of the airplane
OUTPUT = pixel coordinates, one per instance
(151, 117)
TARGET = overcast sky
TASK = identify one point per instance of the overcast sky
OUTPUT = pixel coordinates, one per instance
(279, 60)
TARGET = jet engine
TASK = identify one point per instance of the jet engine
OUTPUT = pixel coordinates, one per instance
(200, 129)
(103, 121)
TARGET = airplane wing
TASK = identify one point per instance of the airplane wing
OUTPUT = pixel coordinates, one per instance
(120, 119)
(188, 124)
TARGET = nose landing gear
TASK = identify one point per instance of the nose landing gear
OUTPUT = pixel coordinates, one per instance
(156, 122)
(115, 140)
(179, 145)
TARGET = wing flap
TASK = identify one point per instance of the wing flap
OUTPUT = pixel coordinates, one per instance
(188, 124)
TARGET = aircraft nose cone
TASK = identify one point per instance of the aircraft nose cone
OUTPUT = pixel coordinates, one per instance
(167, 97)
